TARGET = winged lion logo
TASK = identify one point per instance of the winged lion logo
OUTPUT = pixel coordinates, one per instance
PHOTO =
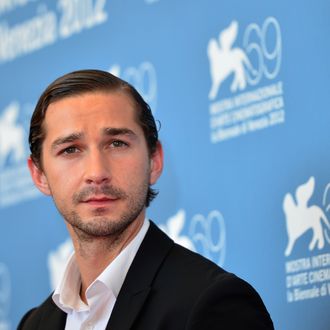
(300, 217)
(226, 60)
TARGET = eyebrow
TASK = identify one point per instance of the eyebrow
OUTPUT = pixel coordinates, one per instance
(114, 131)
(67, 139)
(108, 131)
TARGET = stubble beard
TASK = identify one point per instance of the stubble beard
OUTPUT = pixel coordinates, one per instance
(105, 227)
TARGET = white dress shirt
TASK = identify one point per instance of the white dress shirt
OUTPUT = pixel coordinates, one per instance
(101, 295)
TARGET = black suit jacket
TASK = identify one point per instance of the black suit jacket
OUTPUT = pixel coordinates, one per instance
(171, 288)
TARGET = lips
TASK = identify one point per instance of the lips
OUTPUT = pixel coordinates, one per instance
(100, 201)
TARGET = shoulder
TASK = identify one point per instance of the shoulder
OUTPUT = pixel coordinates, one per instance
(215, 296)
(187, 262)
(179, 266)
(33, 316)
(174, 254)
(25, 318)
(46, 312)
(231, 302)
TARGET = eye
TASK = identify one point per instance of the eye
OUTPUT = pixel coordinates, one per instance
(70, 150)
(118, 144)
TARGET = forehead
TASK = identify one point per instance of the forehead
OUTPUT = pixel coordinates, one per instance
(90, 110)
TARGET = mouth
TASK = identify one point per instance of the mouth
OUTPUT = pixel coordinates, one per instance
(100, 201)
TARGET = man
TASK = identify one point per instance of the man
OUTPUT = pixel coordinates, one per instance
(95, 149)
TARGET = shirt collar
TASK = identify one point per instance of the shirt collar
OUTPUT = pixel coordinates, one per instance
(66, 295)
(114, 275)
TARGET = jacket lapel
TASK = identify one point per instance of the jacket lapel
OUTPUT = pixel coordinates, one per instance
(138, 281)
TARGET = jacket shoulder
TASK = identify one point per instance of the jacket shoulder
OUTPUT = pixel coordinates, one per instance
(231, 302)
(206, 295)
(211, 296)
(186, 263)
(45, 316)
(25, 319)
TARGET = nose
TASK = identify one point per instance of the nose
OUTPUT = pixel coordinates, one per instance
(97, 168)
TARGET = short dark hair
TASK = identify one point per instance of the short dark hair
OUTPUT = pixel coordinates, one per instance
(85, 81)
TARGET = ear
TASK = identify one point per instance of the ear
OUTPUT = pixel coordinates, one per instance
(156, 164)
(38, 177)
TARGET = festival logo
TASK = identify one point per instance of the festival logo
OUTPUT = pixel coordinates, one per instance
(15, 182)
(300, 218)
(307, 277)
(248, 69)
(5, 296)
(51, 22)
(11, 135)
(57, 261)
(143, 78)
(173, 228)
(206, 234)
(226, 61)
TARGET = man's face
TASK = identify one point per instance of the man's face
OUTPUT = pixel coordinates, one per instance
(96, 164)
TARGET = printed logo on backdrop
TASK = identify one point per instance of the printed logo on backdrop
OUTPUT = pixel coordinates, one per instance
(143, 78)
(15, 182)
(57, 261)
(5, 297)
(308, 228)
(47, 25)
(248, 71)
(206, 234)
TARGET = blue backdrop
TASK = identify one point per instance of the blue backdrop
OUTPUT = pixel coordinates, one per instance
(241, 89)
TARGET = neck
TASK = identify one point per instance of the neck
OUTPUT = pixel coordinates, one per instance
(93, 255)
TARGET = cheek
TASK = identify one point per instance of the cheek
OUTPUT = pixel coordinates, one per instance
(62, 182)
(134, 172)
